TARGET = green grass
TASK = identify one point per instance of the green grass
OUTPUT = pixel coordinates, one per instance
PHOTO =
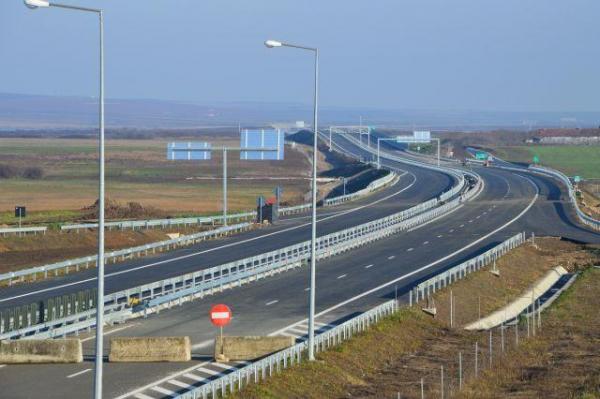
(572, 160)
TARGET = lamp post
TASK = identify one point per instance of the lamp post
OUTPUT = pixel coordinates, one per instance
(33, 4)
(311, 311)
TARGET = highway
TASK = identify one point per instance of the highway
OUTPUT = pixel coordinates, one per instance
(346, 284)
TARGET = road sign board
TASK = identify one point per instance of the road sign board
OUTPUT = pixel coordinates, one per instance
(190, 151)
(20, 211)
(481, 155)
(262, 138)
(220, 315)
(536, 159)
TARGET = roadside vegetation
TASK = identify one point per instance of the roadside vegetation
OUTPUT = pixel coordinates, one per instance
(394, 355)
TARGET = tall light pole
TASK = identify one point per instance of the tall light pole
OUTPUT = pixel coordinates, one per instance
(33, 4)
(313, 242)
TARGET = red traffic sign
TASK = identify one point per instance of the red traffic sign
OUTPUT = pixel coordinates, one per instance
(220, 315)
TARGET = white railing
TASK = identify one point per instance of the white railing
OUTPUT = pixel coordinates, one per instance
(373, 186)
(583, 217)
(22, 230)
(114, 256)
(441, 280)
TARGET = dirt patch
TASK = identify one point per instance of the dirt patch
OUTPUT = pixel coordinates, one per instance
(24, 252)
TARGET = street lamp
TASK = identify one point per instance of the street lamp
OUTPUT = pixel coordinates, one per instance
(313, 242)
(33, 4)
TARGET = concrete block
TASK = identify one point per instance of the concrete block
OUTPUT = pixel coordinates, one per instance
(41, 351)
(150, 349)
(251, 347)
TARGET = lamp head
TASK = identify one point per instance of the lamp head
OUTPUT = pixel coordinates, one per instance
(273, 43)
(33, 4)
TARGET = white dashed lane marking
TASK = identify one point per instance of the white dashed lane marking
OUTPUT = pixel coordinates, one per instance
(409, 249)
(79, 373)
(391, 257)
(426, 242)
(342, 276)
(368, 266)
(440, 236)
(272, 302)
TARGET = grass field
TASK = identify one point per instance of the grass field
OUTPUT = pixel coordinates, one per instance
(137, 170)
(572, 160)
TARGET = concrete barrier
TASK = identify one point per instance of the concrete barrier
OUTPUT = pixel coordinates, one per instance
(41, 351)
(517, 306)
(250, 348)
(150, 349)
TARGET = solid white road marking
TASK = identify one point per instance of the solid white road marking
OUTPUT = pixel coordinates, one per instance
(272, 302)
(342, 276)
(178, 258)
(203, 344)
(142, 396)
(369, 266)
(2, 365)
(79, 373)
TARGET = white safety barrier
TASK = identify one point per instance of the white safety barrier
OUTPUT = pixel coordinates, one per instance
(120, 255)
(441, 280)
(22, 230)
(373, 186)
(583, 217)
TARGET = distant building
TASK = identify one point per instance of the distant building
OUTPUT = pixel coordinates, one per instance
(566, 137)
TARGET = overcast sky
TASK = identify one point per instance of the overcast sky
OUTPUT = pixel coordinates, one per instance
(518, 55)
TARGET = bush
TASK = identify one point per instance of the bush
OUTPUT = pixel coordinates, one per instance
(7, 171)
(33, 173)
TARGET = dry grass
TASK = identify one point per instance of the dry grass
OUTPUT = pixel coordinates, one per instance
(561, 362)
(137, 170)
(394, 355)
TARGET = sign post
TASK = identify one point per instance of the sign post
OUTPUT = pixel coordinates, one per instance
(220, 316)
(20, 212)
(536, 160)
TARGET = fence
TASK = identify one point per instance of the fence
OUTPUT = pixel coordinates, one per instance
(154, 296)
(373, 186)
(585, 219)
(114, 256)
(22, 230)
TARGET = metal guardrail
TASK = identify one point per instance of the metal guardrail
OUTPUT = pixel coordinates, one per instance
(114, 256)
(441, 280)
(22, 230)
(373, 186)
(265, 367)
(583, 217)
(152, 297)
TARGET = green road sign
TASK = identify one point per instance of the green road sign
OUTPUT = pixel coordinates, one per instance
(480, 155)
(536, 159)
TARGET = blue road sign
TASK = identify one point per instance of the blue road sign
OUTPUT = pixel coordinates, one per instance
(262, 138)
(190, 151)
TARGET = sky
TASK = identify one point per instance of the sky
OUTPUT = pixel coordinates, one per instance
(494, 55)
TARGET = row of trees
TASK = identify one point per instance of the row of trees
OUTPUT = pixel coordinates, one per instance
(30, 172)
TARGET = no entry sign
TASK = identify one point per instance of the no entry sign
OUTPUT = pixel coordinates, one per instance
(220, 315)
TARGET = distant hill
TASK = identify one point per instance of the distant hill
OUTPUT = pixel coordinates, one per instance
(20, 111)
